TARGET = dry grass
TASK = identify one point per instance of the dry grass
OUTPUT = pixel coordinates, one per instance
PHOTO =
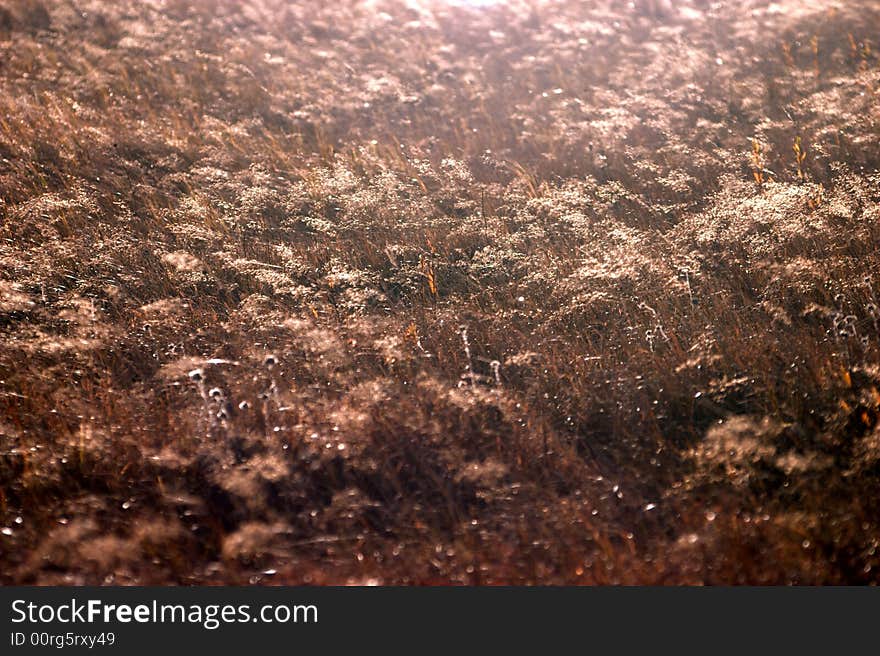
(547, 292)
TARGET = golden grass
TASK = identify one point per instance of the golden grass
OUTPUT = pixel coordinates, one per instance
(404, 293)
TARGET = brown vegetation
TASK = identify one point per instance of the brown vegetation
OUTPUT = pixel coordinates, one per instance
(416, 292)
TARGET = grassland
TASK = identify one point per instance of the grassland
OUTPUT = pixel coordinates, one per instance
(423, 293)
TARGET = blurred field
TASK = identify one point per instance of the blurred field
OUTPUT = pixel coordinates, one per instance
(426, 293)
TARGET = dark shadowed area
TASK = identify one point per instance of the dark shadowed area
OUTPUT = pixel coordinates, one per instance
(439, 292)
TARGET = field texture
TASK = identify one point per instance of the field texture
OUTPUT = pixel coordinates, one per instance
(437, 292)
